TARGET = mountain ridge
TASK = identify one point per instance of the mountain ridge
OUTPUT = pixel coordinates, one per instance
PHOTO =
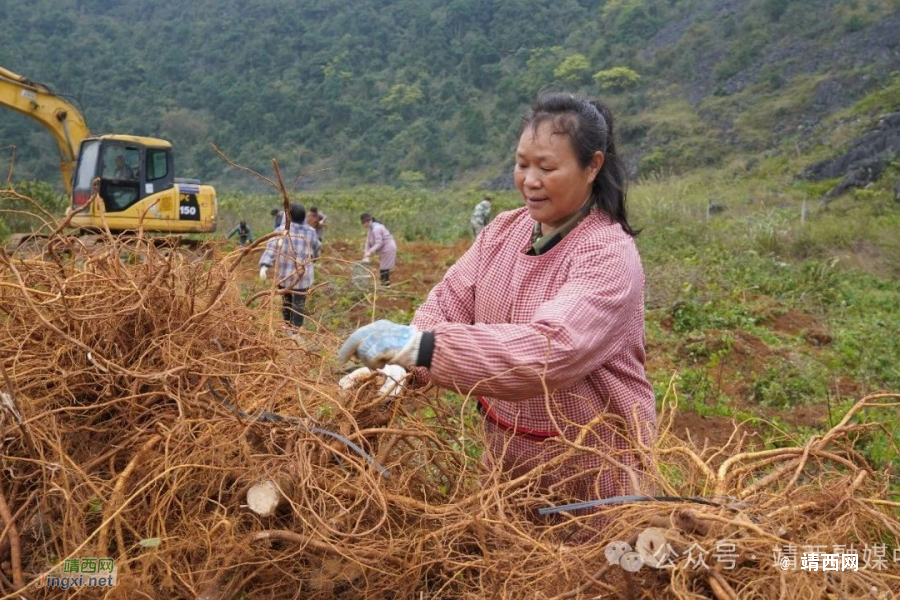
(428, 93)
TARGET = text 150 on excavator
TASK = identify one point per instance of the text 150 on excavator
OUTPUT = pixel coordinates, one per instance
(137, 174)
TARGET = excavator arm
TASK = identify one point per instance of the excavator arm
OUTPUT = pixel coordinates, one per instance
(58, 115)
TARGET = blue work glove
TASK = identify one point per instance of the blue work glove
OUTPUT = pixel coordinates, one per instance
(381, 343)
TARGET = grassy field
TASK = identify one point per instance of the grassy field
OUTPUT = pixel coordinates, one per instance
(769, 310)
(763, 306)
(754, 313)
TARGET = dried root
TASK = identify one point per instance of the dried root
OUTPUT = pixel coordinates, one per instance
(166, 424)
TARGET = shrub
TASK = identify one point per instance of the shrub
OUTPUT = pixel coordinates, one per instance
(854, 23)
(616, 79)
(774, 8)
(42, 195)
(573, 70)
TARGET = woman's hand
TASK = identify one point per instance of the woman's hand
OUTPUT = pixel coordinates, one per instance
(381, 343)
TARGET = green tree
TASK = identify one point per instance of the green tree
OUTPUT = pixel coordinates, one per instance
(775, 8)
(402, 98)
(338, 67)
(616, 79)
(539, 68)
(434, 85)
(573, 70)
(634, 19)
(472, 124)
(412, 179)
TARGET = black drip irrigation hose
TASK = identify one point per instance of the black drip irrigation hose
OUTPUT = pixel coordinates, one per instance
(269, 417)
(552, 510)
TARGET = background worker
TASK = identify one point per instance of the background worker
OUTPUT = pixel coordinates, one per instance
(551, 294)
(316, 220)
(379, 241)
(242, 230)
(292, 254)
(481, 216)
(277, 218)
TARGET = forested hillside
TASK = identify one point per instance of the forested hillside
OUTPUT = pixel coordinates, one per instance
(428, 92)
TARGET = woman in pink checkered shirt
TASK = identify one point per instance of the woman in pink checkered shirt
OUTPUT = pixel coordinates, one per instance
(542, 319)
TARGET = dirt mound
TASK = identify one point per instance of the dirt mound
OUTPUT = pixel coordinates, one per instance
(739, 358)
(784, 320)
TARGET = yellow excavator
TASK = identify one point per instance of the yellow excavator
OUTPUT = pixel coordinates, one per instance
(137, 182)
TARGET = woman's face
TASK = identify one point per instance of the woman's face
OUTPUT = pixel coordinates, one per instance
(367, 224)
(552, 182)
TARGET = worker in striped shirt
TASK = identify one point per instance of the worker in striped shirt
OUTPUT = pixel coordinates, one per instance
(292, 252)
(542, 319)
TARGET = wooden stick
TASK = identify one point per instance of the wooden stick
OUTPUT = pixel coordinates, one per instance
(19, 512)
(118, 492)
(15, 544)
(720, 587)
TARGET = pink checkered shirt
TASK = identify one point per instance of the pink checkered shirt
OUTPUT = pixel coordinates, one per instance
(506, 324)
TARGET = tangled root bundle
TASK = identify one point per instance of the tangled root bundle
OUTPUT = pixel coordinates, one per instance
(155, 412)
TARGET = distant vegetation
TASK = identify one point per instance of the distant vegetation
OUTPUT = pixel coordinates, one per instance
(426, 93)
(768, 308)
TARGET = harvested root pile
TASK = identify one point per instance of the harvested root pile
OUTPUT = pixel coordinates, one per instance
(155, 413)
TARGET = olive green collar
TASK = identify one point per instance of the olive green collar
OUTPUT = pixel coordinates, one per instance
(543, 243)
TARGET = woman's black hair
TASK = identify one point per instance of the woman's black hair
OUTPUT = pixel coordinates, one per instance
(589, 126)
(367, 217)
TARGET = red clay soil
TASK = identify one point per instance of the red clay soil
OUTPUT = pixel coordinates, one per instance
(705, 431)
(745, 357)
(420, 265)
(781, 319)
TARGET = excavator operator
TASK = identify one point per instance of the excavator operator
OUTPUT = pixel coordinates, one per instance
(123, 171)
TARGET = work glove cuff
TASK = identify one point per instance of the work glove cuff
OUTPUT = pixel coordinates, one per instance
(409, 354)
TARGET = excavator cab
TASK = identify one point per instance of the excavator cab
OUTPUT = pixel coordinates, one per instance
(138, 188)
